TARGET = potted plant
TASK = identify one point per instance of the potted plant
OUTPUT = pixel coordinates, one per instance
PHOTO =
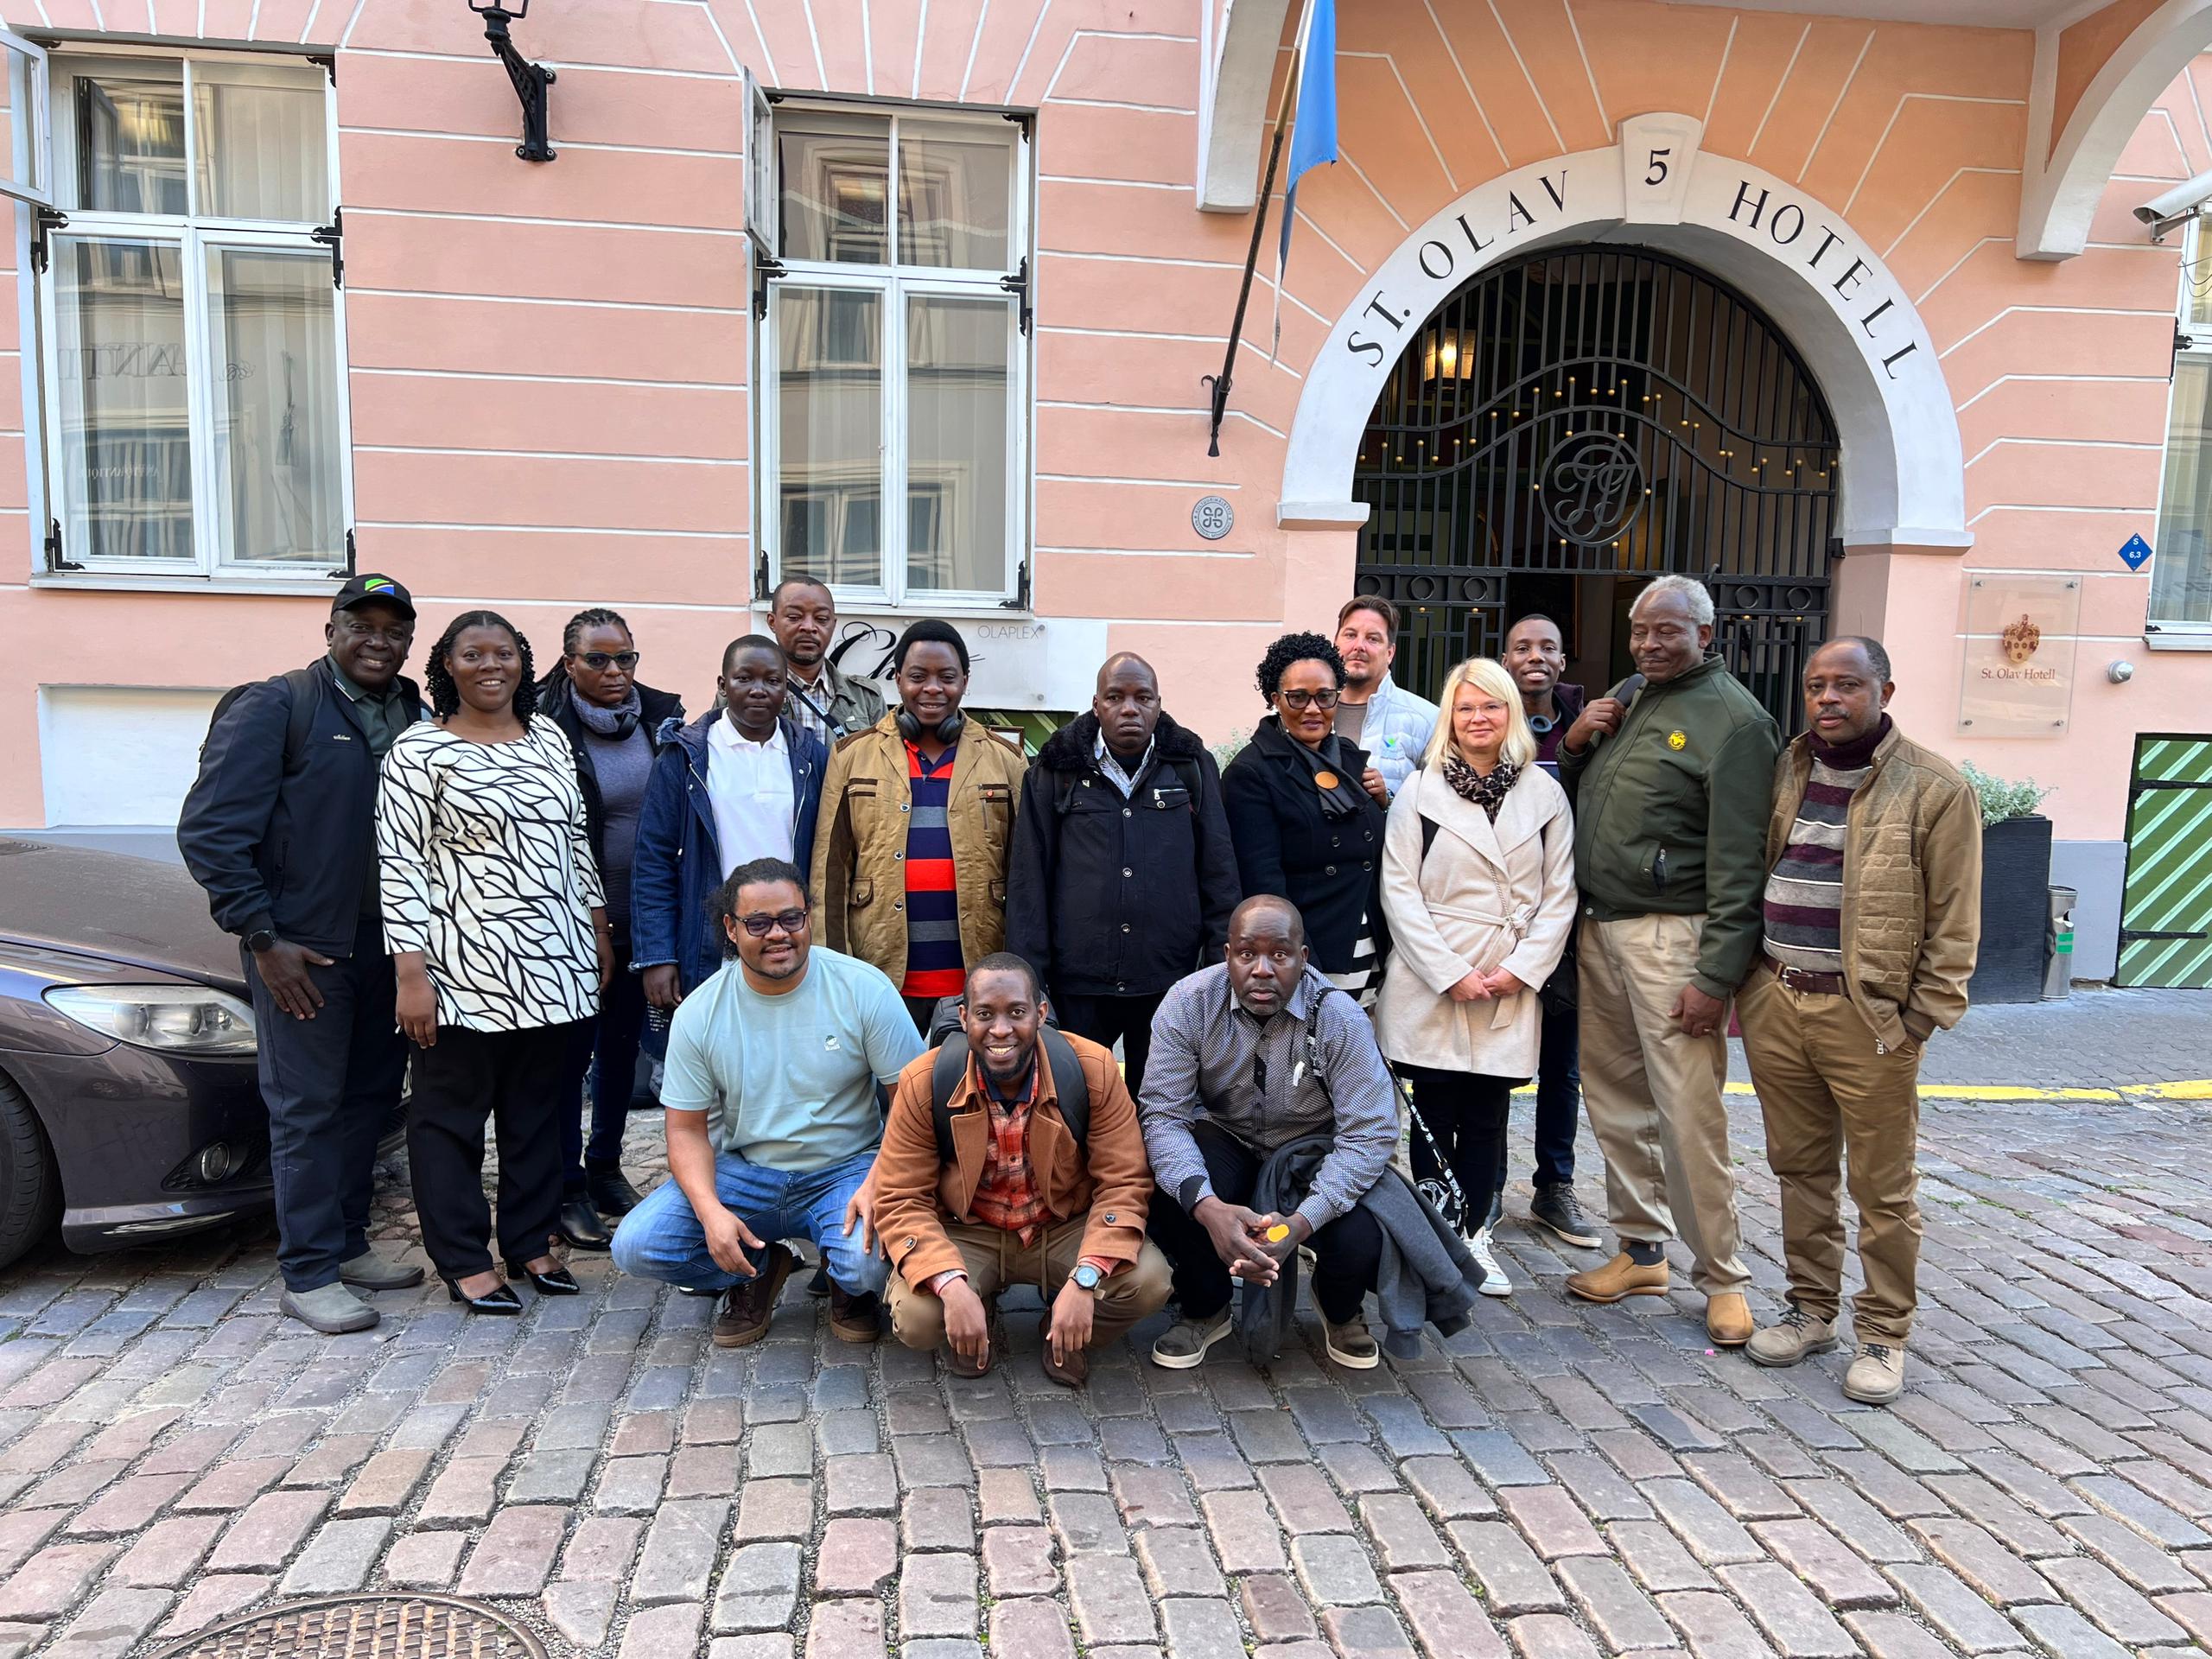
(2015, 888)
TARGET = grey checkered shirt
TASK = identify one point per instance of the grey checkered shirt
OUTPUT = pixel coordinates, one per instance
(1203, 1047)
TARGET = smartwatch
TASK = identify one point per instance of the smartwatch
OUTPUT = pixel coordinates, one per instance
(1087, 1277)
(260, 939)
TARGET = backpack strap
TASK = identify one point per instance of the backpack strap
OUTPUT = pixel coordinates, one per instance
(1069, 1084)
(304, 687)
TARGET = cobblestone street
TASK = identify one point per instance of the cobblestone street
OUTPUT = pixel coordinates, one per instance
(1560, 1481)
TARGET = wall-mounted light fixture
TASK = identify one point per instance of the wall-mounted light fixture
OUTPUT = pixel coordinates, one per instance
(530, 79)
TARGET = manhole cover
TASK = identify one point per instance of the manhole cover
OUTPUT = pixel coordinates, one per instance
(365, 1627)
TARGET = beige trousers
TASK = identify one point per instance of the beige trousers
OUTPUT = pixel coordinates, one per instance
(996, 1258)
(1833, 1105)
(1654, 1095)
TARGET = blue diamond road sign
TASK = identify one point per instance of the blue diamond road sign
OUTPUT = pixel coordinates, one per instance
(2135, 551)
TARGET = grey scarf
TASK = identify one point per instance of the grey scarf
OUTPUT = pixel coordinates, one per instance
(616, 722)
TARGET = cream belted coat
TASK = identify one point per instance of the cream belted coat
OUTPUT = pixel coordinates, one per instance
(1487, 896)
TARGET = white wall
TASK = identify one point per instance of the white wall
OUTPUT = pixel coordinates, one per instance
(119, 755)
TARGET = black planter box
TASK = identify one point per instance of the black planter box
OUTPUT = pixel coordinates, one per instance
(2015, 911)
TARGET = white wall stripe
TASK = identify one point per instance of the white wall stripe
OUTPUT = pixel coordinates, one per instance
(2064, 310)
(1718, 74)
(564, 65)
(1596, 98)
(507, 141)
(1889, 126)
(1413, 104)
(549, 299)
(767, 57)
(1534, 91)
(813, 35)
(867, 47)
(738, 386)
(1035, 28)
(1759, 131)
(921, 34)
(2062, 443)
(975, 41)
(2026, 506)
(1360, 173)
(1113, 104)
(1460, 69)
(1140, 483)
(1842, 92)
(1929, 206)
(456, 216)
(1958, 264)
(549, 455)
(555, 530)
(2069, 379)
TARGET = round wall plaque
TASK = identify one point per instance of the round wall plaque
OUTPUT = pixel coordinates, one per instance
(1213, 517)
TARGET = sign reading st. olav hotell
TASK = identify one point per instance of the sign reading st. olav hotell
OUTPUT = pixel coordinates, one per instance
(1655, 176)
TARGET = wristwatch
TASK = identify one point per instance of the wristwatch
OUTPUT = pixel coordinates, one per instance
(262, 938)
(1087, 1277)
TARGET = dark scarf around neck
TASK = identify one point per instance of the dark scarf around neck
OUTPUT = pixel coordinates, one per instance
(1342, 795)
(1849, 757)
(1487, 793)
(615, 723)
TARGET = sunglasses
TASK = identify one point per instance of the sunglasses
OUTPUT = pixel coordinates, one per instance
(759, 924)
(603, 660)
(1304, 700)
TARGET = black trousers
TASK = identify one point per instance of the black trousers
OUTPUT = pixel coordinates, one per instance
(331, 1084)
(602, 1066)
(1346, 1252)
(1466, 1113)
(514, 1078)
(1102, 1019)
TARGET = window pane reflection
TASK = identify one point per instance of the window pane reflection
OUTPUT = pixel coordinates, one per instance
(830, 433)
(956, 442)
(835, 191)
(126, 446)
(953, 199)
(2181, 574)
(261, 150)
(274, 331)
(131, 146)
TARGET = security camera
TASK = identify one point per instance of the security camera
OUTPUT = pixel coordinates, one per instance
(2163, 213)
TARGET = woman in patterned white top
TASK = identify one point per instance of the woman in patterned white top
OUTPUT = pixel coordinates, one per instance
(498, 935)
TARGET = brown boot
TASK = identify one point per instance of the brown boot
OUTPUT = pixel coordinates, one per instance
(749, 1305)
(1728, 1319)
(1620, 1277)
(853, 1315)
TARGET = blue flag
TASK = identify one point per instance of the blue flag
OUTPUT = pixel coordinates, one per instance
(1313, 130)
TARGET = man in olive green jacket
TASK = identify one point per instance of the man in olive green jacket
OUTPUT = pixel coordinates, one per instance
(1672, 783)
(1873, 918)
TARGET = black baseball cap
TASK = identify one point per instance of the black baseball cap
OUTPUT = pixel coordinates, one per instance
(383, 589)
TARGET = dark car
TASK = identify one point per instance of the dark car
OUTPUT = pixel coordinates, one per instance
(128, 1103)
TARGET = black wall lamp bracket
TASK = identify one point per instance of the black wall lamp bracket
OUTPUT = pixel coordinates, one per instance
(530, 79)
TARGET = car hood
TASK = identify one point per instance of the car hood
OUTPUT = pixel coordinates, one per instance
(137, 911)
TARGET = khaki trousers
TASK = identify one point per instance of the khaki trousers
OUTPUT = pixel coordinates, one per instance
(996, 1258)
(1655, 1095)
(1834, 1105)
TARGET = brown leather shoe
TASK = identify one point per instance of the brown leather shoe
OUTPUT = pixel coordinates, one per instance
(1728, 1319)
(749, 1305)
(1071, 1375)
(1621, 1277)
(970, 1368)
(853, 1317)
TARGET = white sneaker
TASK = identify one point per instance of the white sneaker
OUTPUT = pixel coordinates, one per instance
(1495, 1283)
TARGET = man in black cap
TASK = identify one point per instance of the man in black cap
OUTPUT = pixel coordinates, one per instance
(280, 828)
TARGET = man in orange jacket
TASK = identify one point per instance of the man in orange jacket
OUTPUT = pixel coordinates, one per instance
(1011, 1180)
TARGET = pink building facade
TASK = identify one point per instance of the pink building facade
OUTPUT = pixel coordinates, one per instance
(1850, 313)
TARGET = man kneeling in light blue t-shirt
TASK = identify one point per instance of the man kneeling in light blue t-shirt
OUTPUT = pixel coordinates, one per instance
(774, 1115)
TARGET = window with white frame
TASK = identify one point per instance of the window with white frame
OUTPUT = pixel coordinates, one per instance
(190, 320)
(2181, 573)
(892, 280)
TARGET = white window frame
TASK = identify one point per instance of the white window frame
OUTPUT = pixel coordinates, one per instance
(895, 284)
(195, 236)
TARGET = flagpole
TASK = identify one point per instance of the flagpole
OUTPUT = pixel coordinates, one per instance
(1220, 383)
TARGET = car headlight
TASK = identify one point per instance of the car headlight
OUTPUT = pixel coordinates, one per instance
(169, 1019)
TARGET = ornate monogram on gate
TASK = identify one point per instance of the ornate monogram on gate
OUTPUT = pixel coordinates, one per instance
(1592, 489)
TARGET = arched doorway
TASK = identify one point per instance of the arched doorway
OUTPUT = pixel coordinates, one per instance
(1564, 428)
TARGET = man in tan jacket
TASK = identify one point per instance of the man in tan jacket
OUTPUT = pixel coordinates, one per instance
(1014, 1180)
(916, 828)
(1872, 913)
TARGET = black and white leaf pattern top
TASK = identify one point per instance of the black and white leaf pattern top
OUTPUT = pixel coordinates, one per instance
(488, 871)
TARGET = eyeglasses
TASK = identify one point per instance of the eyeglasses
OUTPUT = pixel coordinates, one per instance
(1303, 700)
(759, 924)
(603, 660)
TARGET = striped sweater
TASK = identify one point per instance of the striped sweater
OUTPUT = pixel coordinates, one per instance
(1804, 891)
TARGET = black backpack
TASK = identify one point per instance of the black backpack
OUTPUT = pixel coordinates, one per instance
(1068, 1082)
(303, 696)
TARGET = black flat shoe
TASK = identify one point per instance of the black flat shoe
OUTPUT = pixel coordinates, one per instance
(580, 1227)
(500, 1301)
(559, 1282)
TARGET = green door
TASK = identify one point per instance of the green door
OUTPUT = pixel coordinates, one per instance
(2165, 916)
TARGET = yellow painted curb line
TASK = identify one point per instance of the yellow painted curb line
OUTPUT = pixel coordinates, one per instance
(2010, 1094)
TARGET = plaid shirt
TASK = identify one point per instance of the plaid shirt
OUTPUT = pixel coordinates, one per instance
(1007, 1196)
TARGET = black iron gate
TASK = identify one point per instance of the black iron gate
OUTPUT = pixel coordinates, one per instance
(1600, 411)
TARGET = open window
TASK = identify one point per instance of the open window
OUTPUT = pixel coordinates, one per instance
(30, 144)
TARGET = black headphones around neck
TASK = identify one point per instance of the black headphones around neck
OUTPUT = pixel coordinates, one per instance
(948, 729)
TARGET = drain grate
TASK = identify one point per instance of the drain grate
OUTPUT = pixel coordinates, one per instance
(365, 1627)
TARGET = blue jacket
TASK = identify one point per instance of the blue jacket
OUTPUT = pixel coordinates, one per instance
(1396, 731)
(281, 840)
(678, 863)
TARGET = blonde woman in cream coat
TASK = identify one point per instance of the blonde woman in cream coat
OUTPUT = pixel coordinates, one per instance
(1478, 886)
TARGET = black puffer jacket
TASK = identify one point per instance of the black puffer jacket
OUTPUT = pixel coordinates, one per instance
(1106, 897)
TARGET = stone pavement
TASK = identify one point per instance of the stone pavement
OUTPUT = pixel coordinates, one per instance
(1560, 1481)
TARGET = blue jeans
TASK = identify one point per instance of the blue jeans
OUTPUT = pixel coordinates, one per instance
(1559, 1101)
(662, 1238)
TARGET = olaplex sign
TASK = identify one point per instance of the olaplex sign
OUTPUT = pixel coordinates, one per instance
(1822, 285)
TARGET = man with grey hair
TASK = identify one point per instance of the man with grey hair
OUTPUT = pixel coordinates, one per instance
(1671, 772)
